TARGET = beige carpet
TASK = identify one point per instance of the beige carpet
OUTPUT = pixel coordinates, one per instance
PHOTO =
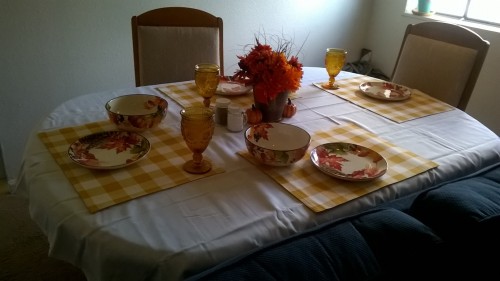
(24, 248)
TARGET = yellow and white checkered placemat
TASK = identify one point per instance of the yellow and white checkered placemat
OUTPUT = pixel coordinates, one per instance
(418, 105)
(159, 170)
(320, 192)
(186, 94)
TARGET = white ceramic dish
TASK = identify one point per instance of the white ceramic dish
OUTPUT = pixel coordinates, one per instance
(109, 150)
(348, 161)
(137, 112)
(277, 144)
(229, 87)
(385, 91)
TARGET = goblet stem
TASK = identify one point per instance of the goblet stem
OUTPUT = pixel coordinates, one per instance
(331, 83)
(206, 102)
(197, 165)
(197, 159)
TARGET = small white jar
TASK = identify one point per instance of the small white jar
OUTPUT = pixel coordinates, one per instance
(236, 118)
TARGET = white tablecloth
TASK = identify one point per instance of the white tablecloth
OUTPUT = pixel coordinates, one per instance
(177, 232)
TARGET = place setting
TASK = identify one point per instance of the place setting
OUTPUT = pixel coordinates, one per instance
(390, 100)
(327, 168)
(123, 146)
(282, 145)
(187, 93)
(134, 152)
(136, 113)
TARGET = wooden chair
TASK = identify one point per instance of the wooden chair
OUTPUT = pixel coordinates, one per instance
(442, 60)
(168, 42)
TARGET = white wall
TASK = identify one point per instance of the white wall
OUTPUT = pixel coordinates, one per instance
(54, 50)
(386, 29)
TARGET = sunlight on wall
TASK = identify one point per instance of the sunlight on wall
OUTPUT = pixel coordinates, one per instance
(310, 5)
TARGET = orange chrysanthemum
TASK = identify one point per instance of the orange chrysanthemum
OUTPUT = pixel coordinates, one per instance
(269, 71)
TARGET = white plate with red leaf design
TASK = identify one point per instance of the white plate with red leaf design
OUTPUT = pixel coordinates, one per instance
(109, 150)
(385, 91)
(228, 86)
(348, 161)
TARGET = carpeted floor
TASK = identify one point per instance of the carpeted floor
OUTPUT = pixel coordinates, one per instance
(24, 248)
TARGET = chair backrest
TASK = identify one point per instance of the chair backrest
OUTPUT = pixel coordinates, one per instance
(169, 41)
(442, 60)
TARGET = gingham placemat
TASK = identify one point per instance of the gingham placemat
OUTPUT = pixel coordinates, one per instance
(160, 169)
(186, 94)
(418, 105)
(320, 192)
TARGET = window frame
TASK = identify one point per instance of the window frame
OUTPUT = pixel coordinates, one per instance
(462, 20)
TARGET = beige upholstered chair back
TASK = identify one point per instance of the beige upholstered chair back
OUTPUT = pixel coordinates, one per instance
(442, 60)
(168, 42)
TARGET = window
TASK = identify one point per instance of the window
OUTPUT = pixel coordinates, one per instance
(485, 10)
(475, 11)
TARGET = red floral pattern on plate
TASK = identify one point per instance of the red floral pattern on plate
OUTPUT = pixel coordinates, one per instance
(385, 91)
(348, 161)
(109, 150)
(229, 86)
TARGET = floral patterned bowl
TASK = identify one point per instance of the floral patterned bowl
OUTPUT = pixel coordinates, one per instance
(277, 144)
(137, 112)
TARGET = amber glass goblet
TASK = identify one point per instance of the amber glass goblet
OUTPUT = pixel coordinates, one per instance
(206, 78)
(334, 61)
(197, 127)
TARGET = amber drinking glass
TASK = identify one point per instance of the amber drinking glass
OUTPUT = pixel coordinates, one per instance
(334, 61)
(206, 78)
(197, 127)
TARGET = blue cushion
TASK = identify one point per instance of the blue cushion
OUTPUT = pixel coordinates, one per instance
(381, 244)
(405, 248)
(466, 214)
(463, 208)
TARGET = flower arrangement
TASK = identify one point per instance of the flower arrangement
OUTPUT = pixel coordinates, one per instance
(270, 71)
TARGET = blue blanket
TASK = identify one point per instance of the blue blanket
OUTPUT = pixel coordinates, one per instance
(444, 232)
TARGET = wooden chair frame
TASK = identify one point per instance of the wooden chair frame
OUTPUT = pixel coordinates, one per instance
(452, 34)
(174, 17)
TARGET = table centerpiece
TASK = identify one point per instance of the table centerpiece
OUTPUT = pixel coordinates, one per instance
(273, 74)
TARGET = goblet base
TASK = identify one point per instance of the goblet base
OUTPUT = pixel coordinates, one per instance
(191, 167)
(329, 87)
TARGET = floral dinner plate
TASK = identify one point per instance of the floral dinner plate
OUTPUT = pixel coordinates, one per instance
(348, 161)
(385, 91)
(109, 150)
(229, 87)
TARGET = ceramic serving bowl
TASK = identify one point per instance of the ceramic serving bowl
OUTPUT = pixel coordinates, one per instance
(137, 112)
(277, 144)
